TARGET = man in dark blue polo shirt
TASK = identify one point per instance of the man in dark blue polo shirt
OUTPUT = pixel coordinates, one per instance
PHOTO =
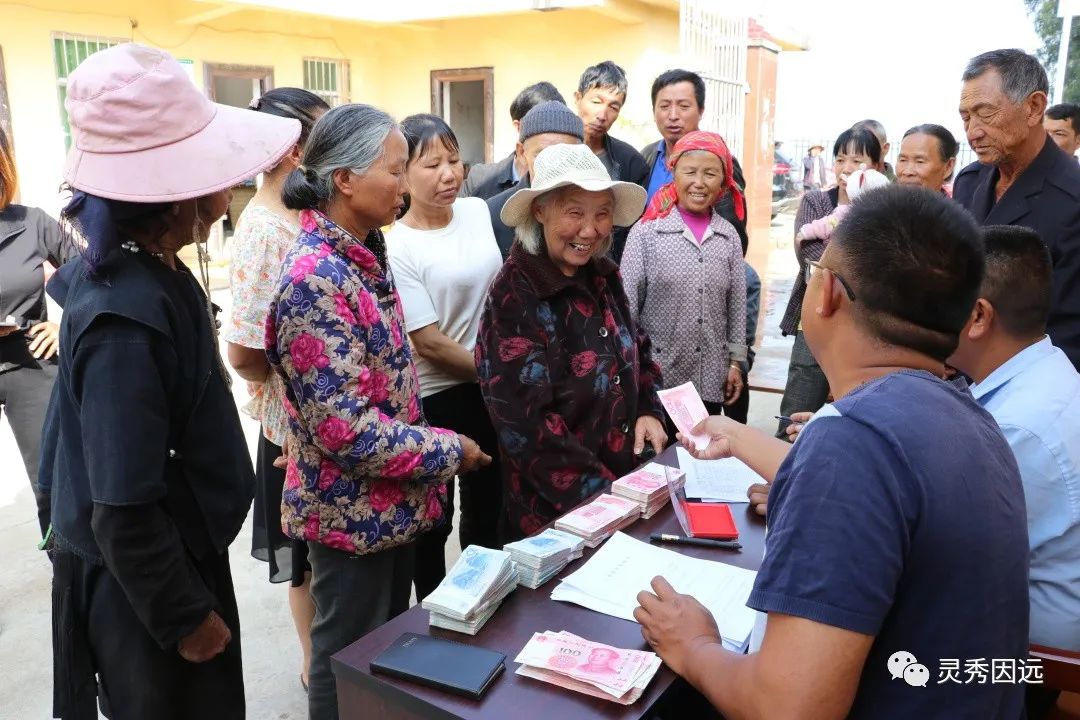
(896, 556)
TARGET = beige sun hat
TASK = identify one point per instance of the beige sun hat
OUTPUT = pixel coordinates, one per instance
(561, 165)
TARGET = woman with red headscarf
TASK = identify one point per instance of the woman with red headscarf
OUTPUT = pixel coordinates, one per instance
(684, 276)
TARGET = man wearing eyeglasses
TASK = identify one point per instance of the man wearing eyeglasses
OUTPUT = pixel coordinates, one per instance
(897, 528)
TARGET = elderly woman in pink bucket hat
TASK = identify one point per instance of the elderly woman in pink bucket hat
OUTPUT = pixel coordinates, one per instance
(144, 459)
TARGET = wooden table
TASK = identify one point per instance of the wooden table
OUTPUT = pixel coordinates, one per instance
(364, 695)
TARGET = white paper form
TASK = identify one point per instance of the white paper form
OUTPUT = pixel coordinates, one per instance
(610, 581)
(725, 480)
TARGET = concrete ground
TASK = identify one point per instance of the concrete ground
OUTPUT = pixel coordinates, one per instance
(271, 653)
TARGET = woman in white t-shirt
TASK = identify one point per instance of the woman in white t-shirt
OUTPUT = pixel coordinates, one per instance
(444, 256)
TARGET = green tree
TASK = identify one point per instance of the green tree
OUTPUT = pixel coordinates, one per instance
(1048, 26)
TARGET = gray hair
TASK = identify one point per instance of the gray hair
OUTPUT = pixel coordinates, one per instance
(530, 234)
(348, 137)
(1021, 74)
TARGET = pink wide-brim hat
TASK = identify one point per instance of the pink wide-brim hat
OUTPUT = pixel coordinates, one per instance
(142, 132)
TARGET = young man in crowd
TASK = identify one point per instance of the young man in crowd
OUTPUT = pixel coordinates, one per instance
(678, 99)
(897, 528)
(486, 180)
(1062, 123)
(599, 98)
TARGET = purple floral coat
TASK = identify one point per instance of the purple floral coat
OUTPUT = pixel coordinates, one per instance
(365, 472)
(565, 374)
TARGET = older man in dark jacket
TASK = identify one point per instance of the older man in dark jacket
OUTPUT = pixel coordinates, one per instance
(1022, 178)
(549, 123)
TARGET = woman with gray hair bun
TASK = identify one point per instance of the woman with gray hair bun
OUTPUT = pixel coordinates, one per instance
(366, 475)
(566, 373)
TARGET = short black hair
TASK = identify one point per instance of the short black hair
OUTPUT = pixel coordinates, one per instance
(677, 76)
(914, 261)
(1021, 74)
(1018, 279)
(1066, 111)
(532, 96)
(423, 129)
(603, 75)
(861, 140)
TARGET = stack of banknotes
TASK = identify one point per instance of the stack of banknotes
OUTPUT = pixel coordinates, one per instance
(472, 591)
(540, 557)
(575, 663)
(648, 487)
(600, 519)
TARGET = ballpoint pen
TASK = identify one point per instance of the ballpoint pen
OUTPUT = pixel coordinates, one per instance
(700, 542)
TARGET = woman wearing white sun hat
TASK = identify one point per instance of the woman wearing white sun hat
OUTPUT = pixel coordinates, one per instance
(566, 374)
(148, 471)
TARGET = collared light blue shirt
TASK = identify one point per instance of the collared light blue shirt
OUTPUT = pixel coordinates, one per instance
(1035, 399)
(661, 176)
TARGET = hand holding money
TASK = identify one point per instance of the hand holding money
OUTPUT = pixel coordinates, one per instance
(721, 435)
(686, 409)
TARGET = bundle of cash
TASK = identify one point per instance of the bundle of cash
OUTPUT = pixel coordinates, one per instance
(587, 667)
(473, 589)
(576, 543)
(600, 519)
(541, 557)
(648, 487)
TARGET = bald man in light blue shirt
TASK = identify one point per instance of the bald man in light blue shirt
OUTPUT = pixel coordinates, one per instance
(1033, 391)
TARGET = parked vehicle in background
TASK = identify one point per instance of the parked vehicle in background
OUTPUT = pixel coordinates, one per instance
(785, 191)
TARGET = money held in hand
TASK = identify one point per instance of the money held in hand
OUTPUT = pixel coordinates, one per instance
(686, 408)
(577, 664)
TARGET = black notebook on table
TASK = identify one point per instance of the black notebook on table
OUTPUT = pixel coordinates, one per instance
(443, 664)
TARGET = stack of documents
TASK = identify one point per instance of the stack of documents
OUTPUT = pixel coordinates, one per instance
(648, 487)
(726, 480)
(611, 579)
(472, 591)
(578, 664)
(596, 521)
(539, 558)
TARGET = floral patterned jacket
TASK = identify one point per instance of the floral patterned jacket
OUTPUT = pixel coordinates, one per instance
(565, 374)
(365, 472)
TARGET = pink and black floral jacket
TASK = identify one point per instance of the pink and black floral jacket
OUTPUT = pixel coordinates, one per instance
(565, 374)
(365, 472)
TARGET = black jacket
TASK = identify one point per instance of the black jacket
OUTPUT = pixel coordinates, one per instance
(142, 453)
(725, 205)
(489, 179)
(28, 238)
(1045, 198)
(504, 235)
(626, 165)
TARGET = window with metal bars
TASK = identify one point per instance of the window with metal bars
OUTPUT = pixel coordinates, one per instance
(68, 53)
(329, 79)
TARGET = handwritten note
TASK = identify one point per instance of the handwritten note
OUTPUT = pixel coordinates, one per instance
(724, 480)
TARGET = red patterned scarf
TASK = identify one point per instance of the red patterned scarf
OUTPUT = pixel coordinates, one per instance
(666, 198)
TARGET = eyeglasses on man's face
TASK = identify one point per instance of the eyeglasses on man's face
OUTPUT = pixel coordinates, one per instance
(814, 265)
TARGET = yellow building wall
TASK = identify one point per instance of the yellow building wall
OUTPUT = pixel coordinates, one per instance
(389, 65)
